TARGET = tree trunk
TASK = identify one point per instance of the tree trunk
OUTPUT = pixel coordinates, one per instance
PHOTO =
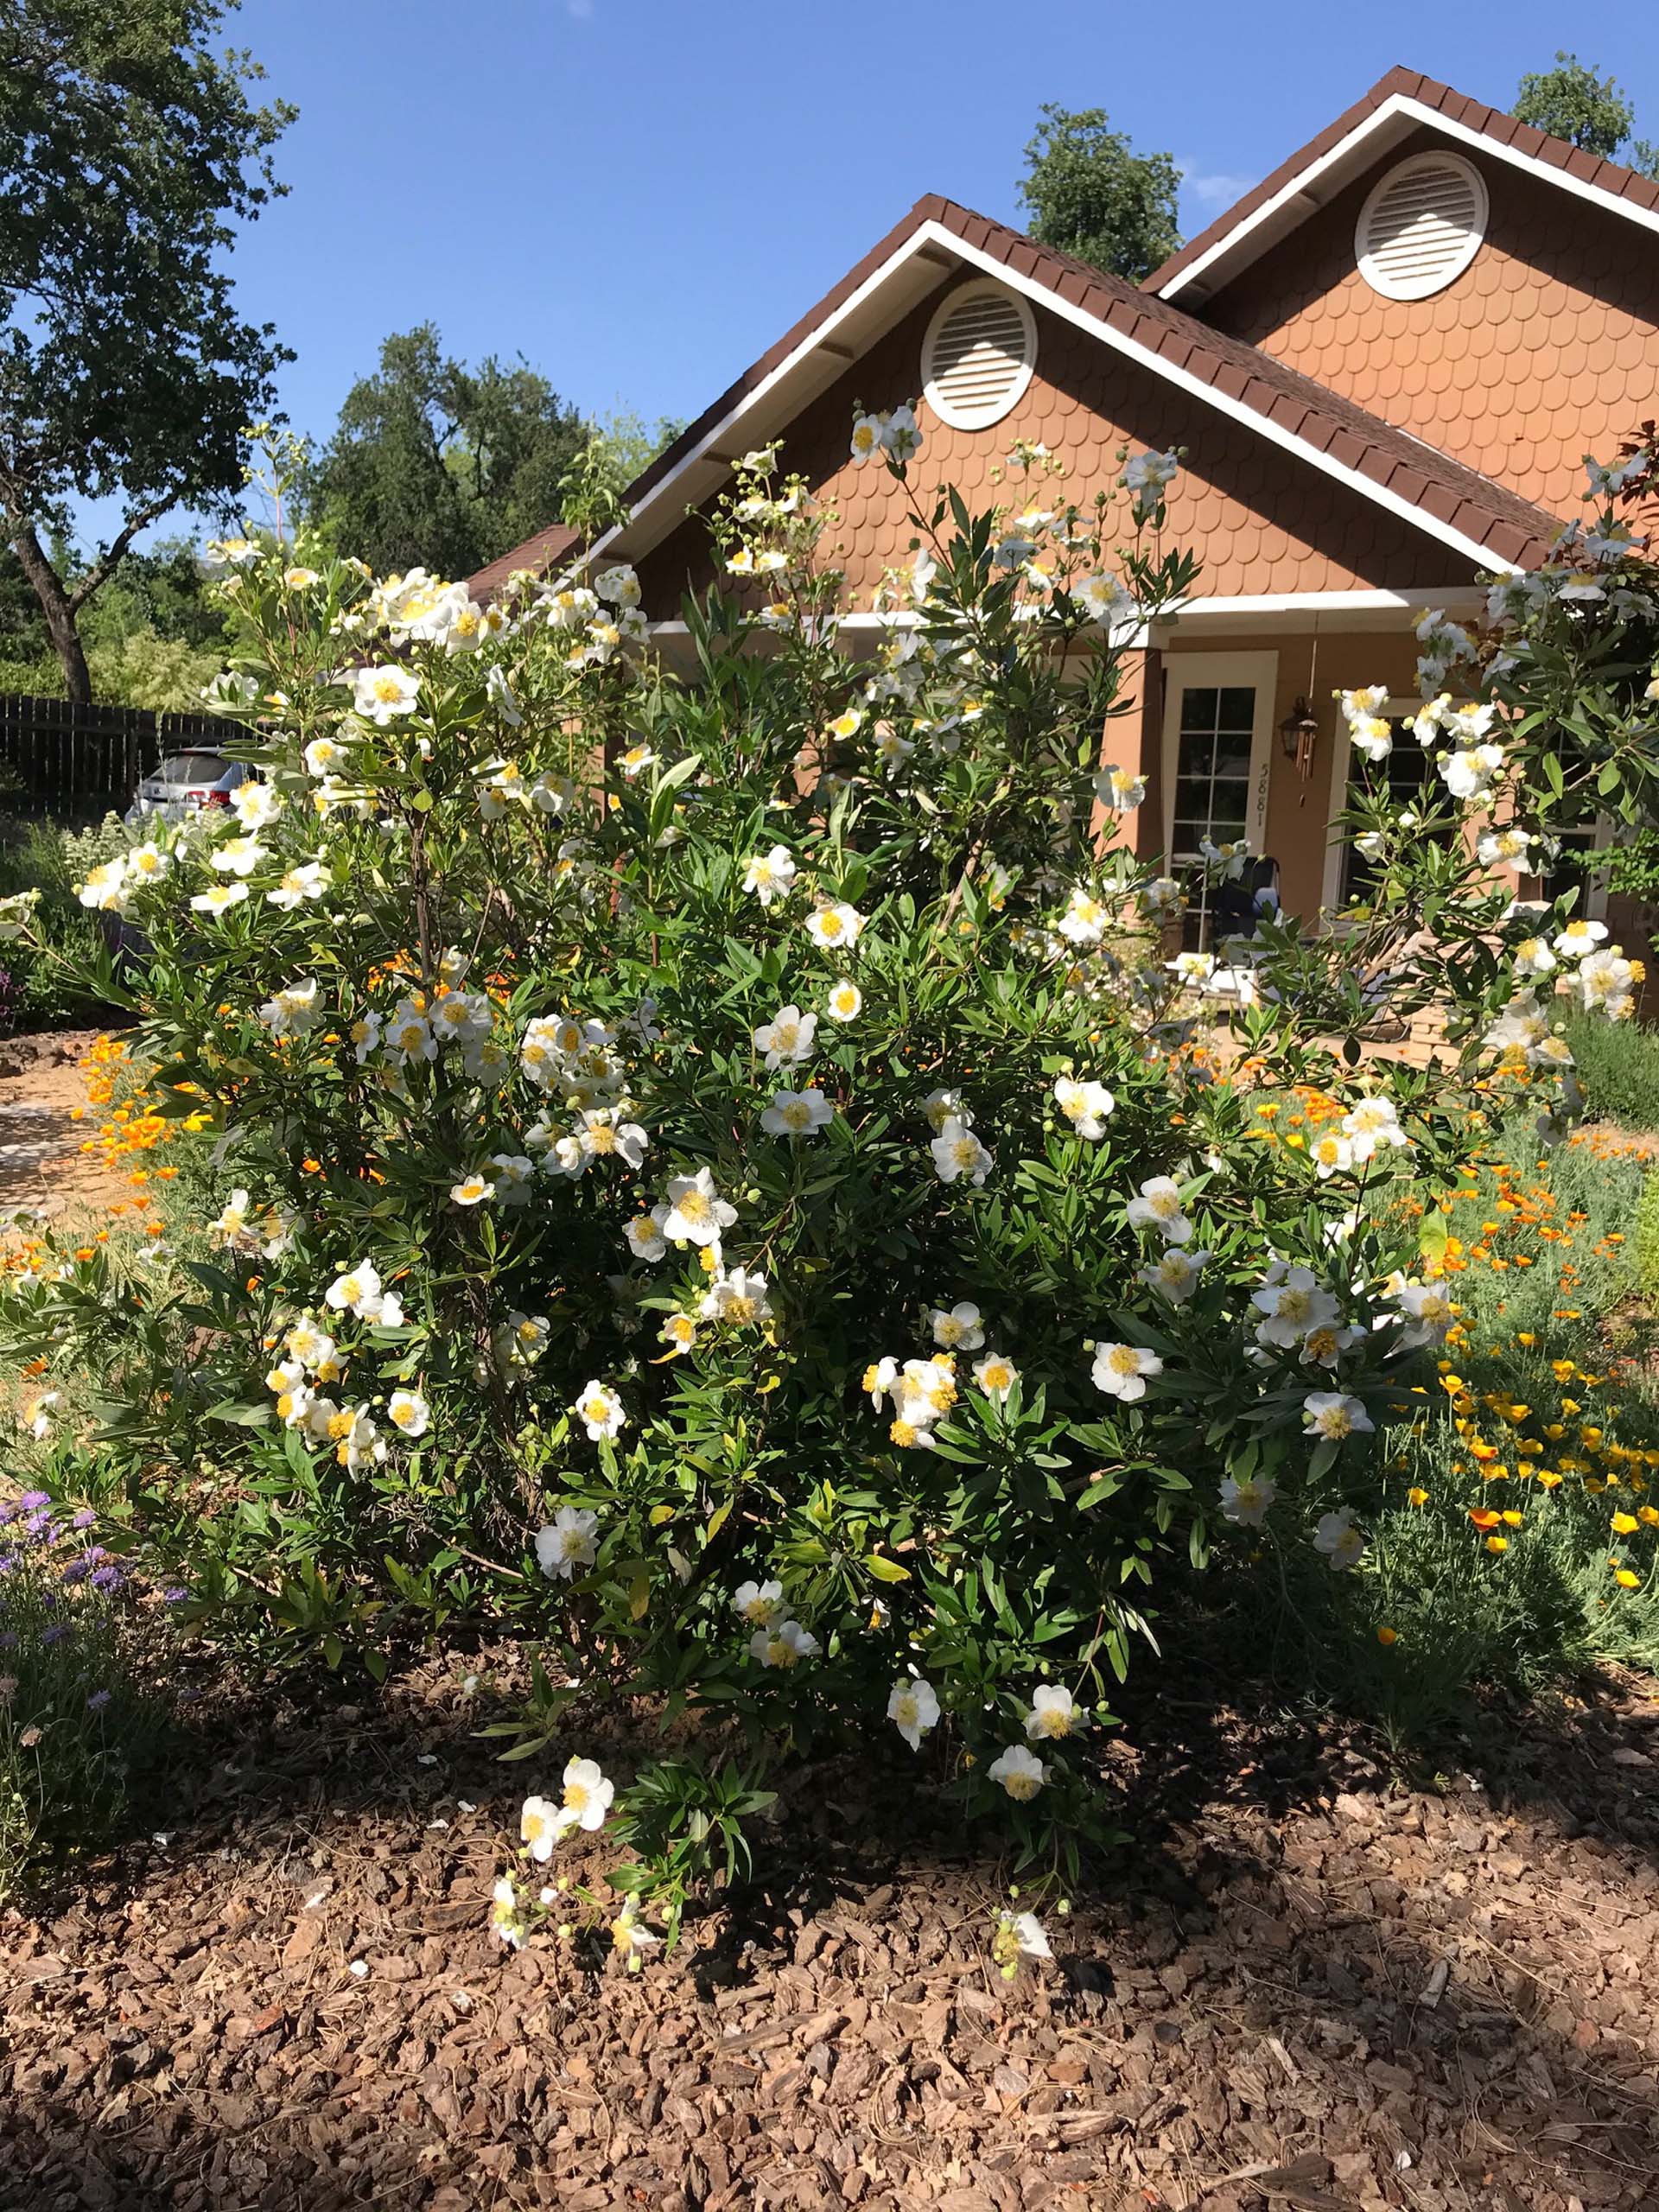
(59, 613)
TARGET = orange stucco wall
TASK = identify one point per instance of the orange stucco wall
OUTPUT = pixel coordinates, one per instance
(1261, 520)
(1545, 348)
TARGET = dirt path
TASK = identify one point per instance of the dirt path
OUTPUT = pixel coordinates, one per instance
(1303, 1988)
(41, 1166)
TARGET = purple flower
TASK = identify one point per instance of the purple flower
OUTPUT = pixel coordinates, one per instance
(8, 1562)
(8, 1640)
(98, 1701)
(78, 1570)
(43, 1525)
(32, 1500)
(85, 1518)
(112, 1577)
(175, 1596)
(7, 1514)
(56, 1633)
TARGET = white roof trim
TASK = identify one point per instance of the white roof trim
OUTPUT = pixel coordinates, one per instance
(741, 421)
(1388, 122)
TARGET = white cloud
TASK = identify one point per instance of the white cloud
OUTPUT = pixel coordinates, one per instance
(1212, 189)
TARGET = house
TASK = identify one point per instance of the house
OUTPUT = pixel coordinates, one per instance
(1387, 363)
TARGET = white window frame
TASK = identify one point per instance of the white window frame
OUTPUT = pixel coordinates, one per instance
(1223, 671)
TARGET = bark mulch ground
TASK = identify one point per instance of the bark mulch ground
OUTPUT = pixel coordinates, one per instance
(1303, 1986)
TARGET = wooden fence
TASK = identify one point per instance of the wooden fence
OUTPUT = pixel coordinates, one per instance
(75, 763)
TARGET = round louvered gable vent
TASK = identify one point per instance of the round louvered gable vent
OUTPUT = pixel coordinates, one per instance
(1422, 226)
(978, 355)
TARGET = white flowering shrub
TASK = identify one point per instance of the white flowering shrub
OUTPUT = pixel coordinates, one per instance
(712, 1174)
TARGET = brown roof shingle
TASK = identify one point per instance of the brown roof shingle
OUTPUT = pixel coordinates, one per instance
(1502, 129)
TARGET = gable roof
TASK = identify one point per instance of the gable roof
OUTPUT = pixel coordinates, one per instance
(540, 552)
(1399, 102)
(1481, 520)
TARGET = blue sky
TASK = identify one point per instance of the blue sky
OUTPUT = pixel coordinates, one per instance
(640, 198)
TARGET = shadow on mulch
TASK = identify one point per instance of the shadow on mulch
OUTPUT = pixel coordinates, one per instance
(1304, 1983)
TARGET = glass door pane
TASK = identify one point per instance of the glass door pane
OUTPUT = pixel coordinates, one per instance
(1214, 734)
(1406, 769)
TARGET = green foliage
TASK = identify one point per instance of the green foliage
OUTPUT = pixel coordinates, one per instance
(41, 989)
(1090, 194)
(1644, 1240)
(438, 465)
(128, 148)
(1617, 1064)
(1571, 101)
(81, 1721)
(709, 1176)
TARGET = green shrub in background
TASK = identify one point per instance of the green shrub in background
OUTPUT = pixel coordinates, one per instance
(1618, 1066)
(37, 986)
(80, 1725)
(1644, 1240)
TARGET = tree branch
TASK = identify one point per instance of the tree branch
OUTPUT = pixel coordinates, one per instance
(101, 573)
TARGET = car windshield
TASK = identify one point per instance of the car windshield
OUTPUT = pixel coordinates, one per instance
(191, 768)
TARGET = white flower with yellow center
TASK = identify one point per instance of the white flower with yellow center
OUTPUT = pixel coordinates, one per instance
(257, 804)
(913, 1709)
(769, 875)
(783, 1644)
(867, 438)
(1245, 1499)
(1342, 1543)
(1159, 1206)
(568, 1542)
(472, 1190)
(1120, 1370)
(619, 585)
(679, 1333)
(503, 790)
(539, 1827)
(1053, 1711)
(219, 898)
(313, 1347)
(1121, 790)
(293, 1010)
(1193, 967)
(996, 1376)
(149, 863)
(1085, 1105)
(35, 1413)
(1293, 1302)
(1424, 1308)
(738, 1298)
(1532, 957)
(460, 1017)
(786, 1039)
(380, 693)
(1578, 938)
(507, 1922)
(599, 1411)
(1020, 1772)
(835, 927)
(797, 1113)
(1332, 1153)
(943, 1106)
(359, 1291)
(844, 1001)
(645, 1235)
(298, 888)
(759, 1604)
(630, 1938)
(410, 1034)
(409, 1412)
(957, 1153)
(1332, 1414)
(697, 1212)
(1372, 1125)
(1084, 919)
(1506, 848)
(1174, 1273)
(105, 887)
(847, 724)
(322, 757)
(960, 1329)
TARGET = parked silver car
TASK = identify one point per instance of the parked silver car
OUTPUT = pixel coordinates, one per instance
(185, 781)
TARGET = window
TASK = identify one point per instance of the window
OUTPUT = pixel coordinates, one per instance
(1407, 770)
(978, 355)
(1422, 226)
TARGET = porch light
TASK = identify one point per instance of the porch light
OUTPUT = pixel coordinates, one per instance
(1298, 733)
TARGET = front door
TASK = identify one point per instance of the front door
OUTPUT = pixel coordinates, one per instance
(1217, 750)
